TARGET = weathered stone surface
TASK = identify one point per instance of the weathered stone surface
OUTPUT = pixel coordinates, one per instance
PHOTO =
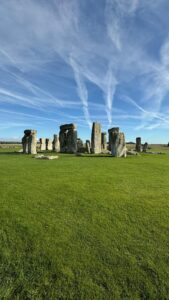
(32, 142)
(49, 144)
(28, 132)
(56, 143)
(114, 129)
(88, 149)
(104, 141)
(42, 144)
(63, 141)
(25, 144)
(96, 138)
(68, 127)
(46, 157)
(145, 147)
(138, 144)
(29, 141)
(117, 143)
(72, 141)
(80, 146)
(68, 138)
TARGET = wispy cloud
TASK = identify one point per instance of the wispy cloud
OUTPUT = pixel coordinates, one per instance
(82, 90)
(121, 49)
(148, 116)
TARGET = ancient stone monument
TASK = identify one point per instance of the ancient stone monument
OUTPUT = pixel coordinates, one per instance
(104, 141)
(68, 138)
(117, 142)
(56, 143)
(96, 138)
(49, 144)
(80, 146)
(42, 144)
(145, 147)
(88, 146)
(25, 143)
(29, 141)
(138, 144)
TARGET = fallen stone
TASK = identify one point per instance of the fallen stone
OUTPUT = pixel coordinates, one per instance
(48, 157)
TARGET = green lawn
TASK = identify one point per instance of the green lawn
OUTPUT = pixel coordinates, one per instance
(84, 227)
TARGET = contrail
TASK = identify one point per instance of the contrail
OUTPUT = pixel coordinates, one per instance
(82, 90)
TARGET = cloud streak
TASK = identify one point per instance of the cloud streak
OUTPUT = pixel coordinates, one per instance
(94, 59)
(82, 90)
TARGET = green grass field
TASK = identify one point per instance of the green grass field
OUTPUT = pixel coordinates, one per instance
(84, 227)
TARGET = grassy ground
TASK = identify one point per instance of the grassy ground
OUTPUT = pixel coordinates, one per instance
(84, 227)
(152, 148)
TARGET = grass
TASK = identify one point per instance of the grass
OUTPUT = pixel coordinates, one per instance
(84, 227)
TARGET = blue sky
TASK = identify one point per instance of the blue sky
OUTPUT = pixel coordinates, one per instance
(78, 61)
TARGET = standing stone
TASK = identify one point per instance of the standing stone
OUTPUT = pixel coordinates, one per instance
(63, 141)
(96, 138)
(56, 143)
(32, 142)
(138, 144)
(72, 141)
(117, 142)
(68, 138)
(88, 146)
(104, 141)
(42, 144)
(29, 141)
(25, 144)
(80, 146)
(49, 144)
(114, 129)
(145, 147)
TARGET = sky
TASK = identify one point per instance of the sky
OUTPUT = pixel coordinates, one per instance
(76, 61)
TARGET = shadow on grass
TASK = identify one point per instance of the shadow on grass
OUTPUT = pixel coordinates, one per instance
(11, 153)
(93, 156)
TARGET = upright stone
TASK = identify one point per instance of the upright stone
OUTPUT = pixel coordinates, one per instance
(32, 142)
(138, 144)
(88, 146)
(80, 146)
(72, 141)
(114, 129)
(145, 147)
(68, 138)
(25, 144)
(42, 144)
(117, 142)
(63, 141)
(96, 138)
(104, 141)
(56, 143)
(29, 141)
(49, 144)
